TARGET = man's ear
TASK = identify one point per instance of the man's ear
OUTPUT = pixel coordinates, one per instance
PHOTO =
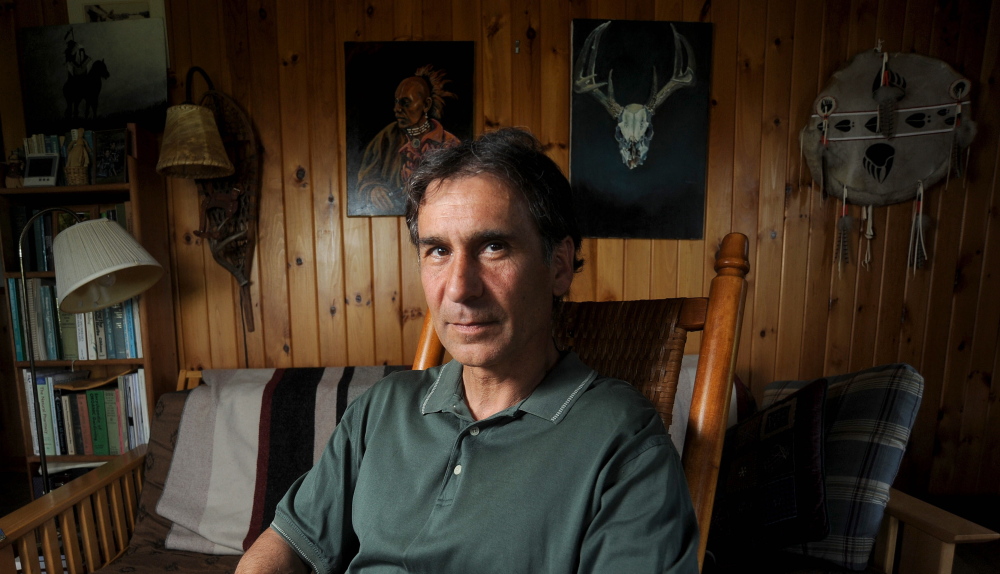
(563, 255)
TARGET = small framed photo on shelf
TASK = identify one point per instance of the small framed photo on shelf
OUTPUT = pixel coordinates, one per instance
(109, 156)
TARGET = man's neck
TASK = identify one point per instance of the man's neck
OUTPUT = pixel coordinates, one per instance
(489, 391)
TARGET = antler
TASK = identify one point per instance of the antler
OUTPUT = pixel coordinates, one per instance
(681, 79)
(587, 84)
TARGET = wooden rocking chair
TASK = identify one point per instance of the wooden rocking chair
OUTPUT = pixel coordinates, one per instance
(642, 342)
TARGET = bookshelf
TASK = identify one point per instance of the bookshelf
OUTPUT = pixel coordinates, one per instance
(156, 354)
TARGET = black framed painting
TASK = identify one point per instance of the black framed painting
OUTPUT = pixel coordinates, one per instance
(639, 127)
(92, 76)
(403, 100)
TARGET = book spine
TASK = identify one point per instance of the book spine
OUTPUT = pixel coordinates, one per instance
(45, 409)
(101, 335)
(98, 421)
(80, 330)
(109, 334)
(34, 325)
(68, 335)
(84, 416)
(50, 323)
(15, 313)
(38, 231)
(68, 422)
(113, 422)
(60, 419)
(137, 326)
(30, 396)
(117, 312)
(91, 336)
(129, 330)
(140, 376)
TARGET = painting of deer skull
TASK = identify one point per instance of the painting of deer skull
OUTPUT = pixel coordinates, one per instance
(634, 129)
(629, 80)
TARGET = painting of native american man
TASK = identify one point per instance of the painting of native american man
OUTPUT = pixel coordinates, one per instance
(379, 163)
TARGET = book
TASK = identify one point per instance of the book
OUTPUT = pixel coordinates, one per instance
(35, 332)
(113, 421)
(88, 317)
(50, 323)
(137, 327)
(68, 343)
(143, 424)
(47, 414)
(15, 313)
(100, 335)
(84, 416)
(67, 414)
(109, 333)
(80, 320)
(98, 421)
(117, 314)
(30, 396)
(130, 349)
(60, 421)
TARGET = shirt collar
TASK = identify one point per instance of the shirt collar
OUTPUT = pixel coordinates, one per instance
(550, 400)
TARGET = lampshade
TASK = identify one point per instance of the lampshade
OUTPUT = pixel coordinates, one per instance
(99, 264)
(192, 147)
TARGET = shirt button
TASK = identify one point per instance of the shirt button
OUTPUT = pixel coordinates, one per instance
(474, 431)
(458, 469)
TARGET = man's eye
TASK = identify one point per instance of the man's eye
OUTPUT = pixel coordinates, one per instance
(494, 247)
(437, 252)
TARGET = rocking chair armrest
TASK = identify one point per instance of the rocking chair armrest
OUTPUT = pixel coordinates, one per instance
(34, 514)
(935, 521)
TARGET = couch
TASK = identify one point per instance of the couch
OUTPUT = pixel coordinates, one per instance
(110, 519)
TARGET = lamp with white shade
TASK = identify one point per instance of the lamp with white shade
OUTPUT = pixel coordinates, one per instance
(97, 264)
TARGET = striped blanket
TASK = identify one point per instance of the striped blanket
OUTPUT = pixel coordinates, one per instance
(246, 435)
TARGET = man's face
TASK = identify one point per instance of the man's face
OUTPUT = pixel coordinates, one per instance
(488, 287)
(412, 102)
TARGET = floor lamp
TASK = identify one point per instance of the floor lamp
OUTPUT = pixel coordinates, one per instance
(97, 264)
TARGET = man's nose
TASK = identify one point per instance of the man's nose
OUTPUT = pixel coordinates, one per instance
(464, 279)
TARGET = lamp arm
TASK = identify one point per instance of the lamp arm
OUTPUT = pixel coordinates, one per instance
(25, 326)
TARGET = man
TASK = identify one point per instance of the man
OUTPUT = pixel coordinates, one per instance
(392, 154)
(514, 457)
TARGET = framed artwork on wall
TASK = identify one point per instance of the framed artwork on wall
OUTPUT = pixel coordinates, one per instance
(403, 99)
(90, 11)
(93, 76)
(639, 127)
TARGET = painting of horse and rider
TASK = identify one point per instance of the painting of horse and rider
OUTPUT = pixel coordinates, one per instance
(96, 76)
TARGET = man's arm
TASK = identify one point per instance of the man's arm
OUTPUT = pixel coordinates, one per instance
(270, 554)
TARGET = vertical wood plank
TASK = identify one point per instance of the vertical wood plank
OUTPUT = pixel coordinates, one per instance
(746, 160)
(357, 252)
(798, 196)
(328, 192)
(526, 68)
(297, 181)
(820, 266)
(70, 542)
(638, 260)
(779, 47)
(496, 45)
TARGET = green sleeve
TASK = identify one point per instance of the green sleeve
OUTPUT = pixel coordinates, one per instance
(646, 522)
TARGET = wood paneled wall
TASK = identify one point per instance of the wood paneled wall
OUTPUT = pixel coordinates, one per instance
(333, 290)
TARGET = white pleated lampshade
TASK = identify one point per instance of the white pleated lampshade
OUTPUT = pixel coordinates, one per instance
(99, 264)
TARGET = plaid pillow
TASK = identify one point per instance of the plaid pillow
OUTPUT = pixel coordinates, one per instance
(869, 415)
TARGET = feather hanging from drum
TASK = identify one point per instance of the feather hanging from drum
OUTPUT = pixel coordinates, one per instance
(885, 127)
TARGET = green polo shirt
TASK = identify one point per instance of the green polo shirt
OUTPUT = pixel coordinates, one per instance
(578, 477)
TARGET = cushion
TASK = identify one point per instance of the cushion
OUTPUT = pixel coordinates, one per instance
(771, 490)
(869, 415)
(244, 437)
(145, 548)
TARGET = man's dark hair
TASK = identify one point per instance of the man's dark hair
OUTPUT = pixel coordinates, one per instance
(515, 158)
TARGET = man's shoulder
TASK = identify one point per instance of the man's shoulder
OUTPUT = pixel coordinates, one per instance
(617, 403)
(402, 385)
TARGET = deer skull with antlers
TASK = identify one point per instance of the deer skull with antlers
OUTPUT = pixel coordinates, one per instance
(635, 121)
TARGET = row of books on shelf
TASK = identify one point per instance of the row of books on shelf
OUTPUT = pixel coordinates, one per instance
(38, 241)
(84, 416)
(111, 333)
(101, 152)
